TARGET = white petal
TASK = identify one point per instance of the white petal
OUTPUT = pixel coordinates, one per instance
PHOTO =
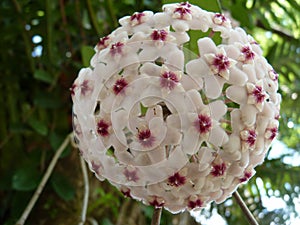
(173, 120)
(217, 109)
(197, 67)
(189, 82)
(249, 114)
(217, 136)
(213, 86)
(237, 94)
(237, 76)
(250, 71)
(206, 46)
(191, 142)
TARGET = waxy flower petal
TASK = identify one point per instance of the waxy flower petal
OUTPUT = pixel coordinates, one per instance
(170, 127)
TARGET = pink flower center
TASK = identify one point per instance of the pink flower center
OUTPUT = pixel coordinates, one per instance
(195, 204)
(218, 170)
(221, 62)
(156, 203)
(258, 94)
(271, 133)
(102, 128)
(119, 85)
(182, 11)
(137, 17)
(219, 19)
(246, 176)
(177, 180)
(103, 43)
(273, 75)
(203, 123)
(248, 53)
(95, 166)
(116, 48)
(159, 35)
(131, 175)
(185, 4)
(168, 80)
(72, 89)
(85, 88)
(145, 138)
(251, 137)
(126, 192)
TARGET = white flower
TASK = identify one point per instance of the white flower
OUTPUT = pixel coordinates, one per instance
(169, 127)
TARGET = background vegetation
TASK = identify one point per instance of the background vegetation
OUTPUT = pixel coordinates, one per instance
(43, 45)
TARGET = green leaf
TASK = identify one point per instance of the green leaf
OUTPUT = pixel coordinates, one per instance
(241, 13)
(86, 54)
(38, 126)
(47, 100)
(62, 186)
(43, 75)
(272, 53)
(26, 178)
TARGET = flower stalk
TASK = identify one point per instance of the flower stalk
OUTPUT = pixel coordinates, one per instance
(250, 217)
(156, 216)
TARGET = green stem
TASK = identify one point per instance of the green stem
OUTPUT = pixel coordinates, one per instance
(25, 36)
(245, 209)
(43, 182)
(111, 13)
(156, 216)
(219, 6)
(93, 17)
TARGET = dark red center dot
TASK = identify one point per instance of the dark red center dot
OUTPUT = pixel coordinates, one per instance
(185, 4)
(246, 176)
(195, 204)
(116, 48)
(168, 80)
(119, 85)
(131, 175)
(72, 89)
(258, 94)
(159, 35)
(221, 62)
(274, 75)
(177, 180)
(221, 17)
(102, 43)
(251, 137)
(273, 131)
(248, 53)
(182, 11)
(156, 203)
(145, 138)
(218, 170)
(203, 124)
(84, 87)
(102, 128)
(137, 16)
(126, 193)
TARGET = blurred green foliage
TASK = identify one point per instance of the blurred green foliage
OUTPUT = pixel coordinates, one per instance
(45, 43)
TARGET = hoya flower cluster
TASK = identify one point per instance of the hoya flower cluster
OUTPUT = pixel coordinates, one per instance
(169, 127)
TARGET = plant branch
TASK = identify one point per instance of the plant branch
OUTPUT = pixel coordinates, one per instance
(86, 191)
(156, 216)
(43, 182)
(245, 209)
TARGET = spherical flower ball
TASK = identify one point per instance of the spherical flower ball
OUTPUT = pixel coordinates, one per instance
(171, 127)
